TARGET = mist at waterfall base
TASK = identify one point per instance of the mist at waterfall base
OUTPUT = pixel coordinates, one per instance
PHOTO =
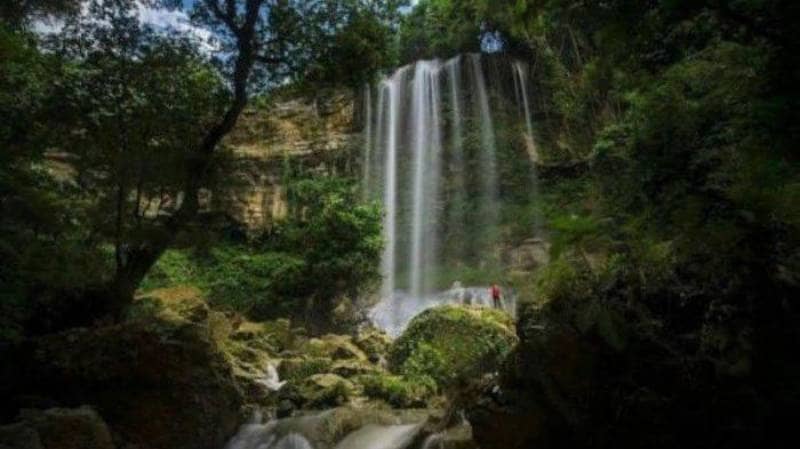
(449, 152)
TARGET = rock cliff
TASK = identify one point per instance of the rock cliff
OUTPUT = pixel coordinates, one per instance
(316, 134)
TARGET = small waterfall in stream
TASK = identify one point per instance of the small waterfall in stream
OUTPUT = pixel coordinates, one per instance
(441, 139)
(304, 432)
(373, 436)
(271, 379)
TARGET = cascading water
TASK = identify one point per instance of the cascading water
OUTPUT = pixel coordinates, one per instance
(270, 435)
(426, 148)
(367, 175)
(312, 432)
(436, 161)
(488, 155)
(271, 380)
(521, 87)
(380, 437)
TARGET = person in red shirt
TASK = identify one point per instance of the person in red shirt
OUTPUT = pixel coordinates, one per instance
(494, 290)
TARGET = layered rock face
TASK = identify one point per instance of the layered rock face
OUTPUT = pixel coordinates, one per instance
(300, 134)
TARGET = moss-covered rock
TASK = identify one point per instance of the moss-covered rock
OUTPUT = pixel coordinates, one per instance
(453, 343)
(297, 368)
(398, 391)
(325, 390)
(57, 428)
(374, 343)
(352, 367)
(336, 347)
(162, 379)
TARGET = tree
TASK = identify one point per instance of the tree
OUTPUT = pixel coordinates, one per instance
(132, 71)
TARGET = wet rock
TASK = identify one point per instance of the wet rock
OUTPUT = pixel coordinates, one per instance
(284, 409)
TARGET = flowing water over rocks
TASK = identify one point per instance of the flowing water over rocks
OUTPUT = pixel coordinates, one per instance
(314, 431)
(381, 437)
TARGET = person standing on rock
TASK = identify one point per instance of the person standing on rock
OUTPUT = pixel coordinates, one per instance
(494, 290)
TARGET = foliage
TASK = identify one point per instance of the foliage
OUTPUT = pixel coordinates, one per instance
(113, 128)
(338, 239)
(358, 51)
(336, 246)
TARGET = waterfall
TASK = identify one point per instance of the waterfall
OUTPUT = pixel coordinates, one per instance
(436, 162)
(521, 83)
(457, 169)
(271, 379)
(367, 162)
(311, 431)
(426, 147)
(488, 157)
(394, 91)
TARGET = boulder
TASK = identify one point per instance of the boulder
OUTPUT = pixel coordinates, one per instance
(57, 428)
(336, 347)
(161, 380)
(538, 400)
(350, 368)
(374, 343)
(453, 343)
(325, 390)
(398, 391)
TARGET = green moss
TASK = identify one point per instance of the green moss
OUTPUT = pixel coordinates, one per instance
(325, 390)
(453, 343)
(399, 391)
(296, 369)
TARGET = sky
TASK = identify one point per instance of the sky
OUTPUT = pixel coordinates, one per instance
(160, 18)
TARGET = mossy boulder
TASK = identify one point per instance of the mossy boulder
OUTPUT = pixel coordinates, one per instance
(57, 428)
(374, 343)
(162, 379)
(170, 304)
(325, 390)
(453, 343)
(336, 347)
(352, 367)
(398, 391)
(297, 368)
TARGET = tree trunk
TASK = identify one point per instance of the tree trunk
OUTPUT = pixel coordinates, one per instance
(140, 256)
